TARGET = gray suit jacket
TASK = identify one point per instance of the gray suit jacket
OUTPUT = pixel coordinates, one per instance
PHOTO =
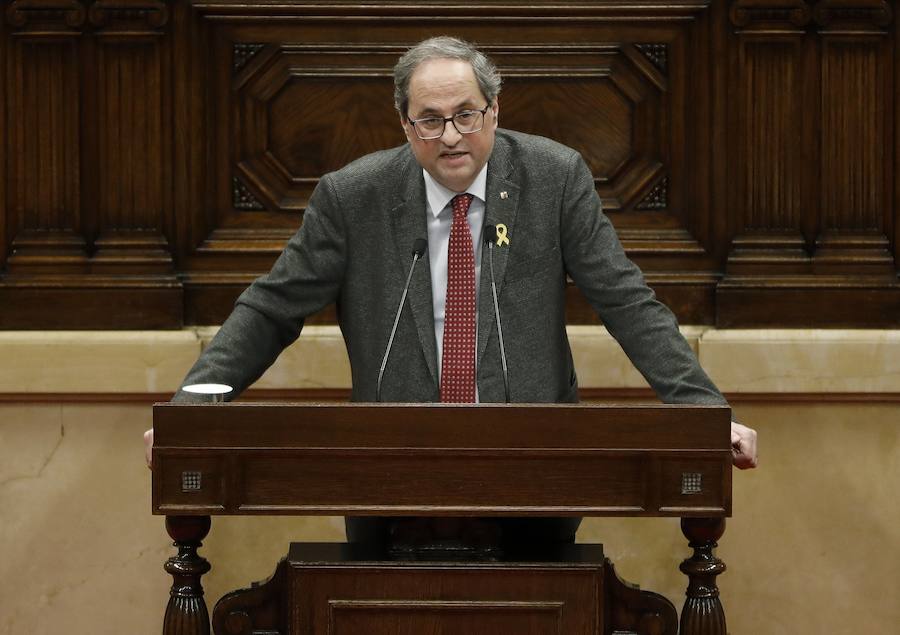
(355, 248)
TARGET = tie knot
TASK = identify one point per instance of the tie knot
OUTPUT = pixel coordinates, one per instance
(460, 204)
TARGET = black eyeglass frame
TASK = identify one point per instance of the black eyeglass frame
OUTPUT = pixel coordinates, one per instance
(483, 112)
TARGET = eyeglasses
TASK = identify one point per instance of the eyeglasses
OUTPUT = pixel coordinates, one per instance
(465, 122)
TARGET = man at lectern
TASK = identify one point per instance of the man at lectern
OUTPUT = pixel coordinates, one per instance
(499, 219)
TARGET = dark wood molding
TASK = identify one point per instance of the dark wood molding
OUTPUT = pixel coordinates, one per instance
(153, 14)
(44, 15)
(766, 14)
(836, 15)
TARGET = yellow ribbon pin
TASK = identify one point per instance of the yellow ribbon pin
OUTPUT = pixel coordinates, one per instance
(501, 235)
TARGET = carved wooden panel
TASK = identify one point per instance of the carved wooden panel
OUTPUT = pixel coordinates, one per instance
(158, 154)
(89, 120)
(286, 129)
(606, 92)
(856, 154)
(44, 214)
(133, 105)
(811, 140)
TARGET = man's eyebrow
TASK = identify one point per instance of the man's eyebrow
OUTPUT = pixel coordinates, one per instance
(430, 112)
(434, 112)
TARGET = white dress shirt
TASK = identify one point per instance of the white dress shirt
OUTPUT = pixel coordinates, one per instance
(439, 217)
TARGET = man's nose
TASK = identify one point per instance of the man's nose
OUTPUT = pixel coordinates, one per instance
(451, 135)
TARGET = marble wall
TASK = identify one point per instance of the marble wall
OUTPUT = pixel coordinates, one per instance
(812, 547)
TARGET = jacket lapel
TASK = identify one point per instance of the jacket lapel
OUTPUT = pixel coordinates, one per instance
(502, 196)
(408, 219)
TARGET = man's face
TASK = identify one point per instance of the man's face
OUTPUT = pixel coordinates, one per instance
(442, 88)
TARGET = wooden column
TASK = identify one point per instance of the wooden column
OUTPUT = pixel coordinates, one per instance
(702, 613)
(186, 613)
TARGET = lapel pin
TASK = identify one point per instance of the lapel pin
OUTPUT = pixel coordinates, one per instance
(501, 234)
(504, 195)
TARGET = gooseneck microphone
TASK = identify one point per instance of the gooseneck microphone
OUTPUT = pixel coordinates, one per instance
(418, 250)
(490, 237)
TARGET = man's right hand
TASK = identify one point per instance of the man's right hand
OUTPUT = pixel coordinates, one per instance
(148, 447)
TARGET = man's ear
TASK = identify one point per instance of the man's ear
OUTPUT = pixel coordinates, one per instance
(404, 123)
(496, 108)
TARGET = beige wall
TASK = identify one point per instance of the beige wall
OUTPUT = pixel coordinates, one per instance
(813, 547)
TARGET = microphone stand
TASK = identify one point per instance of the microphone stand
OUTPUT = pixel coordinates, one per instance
(419, 247)
(490, 235)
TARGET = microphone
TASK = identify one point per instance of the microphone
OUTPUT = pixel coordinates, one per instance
(490, 237)
(418, 250)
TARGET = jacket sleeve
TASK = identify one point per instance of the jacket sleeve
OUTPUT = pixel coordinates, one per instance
(269, 315)
(644, 327)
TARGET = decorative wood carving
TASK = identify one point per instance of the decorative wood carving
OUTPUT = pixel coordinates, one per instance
(630, 610)
(186, 612)
(656, 53)
(766, 13)
(702, 613)
(152, 13)
(40, 14)
(836, 14)
(259, 608)
(243, 53)
(602, 79)
(287, 133)
(243, 198)
(657, 197)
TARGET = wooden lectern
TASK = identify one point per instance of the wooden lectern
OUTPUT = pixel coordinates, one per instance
(442, 460)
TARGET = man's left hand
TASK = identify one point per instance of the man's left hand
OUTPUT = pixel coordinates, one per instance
(743, 446)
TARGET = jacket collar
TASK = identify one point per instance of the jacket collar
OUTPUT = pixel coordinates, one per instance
(501, 206)
(409, 224)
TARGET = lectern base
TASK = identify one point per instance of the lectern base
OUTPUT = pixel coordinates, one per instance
(347, 589)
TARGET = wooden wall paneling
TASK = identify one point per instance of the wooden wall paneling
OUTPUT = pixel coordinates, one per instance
(312, 90)
(742, 148)
(208, 294)
(46, 240)
(5, 216)
(286, 111)
(722, 107)
(88, 164)
(134, 142)
(134, 150)
(857, 130)
(683, 265)
(805, 235)
(44, 140)
(769, 81)
(895, 175)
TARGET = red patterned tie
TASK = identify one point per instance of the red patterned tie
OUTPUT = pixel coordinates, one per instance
(458, 361)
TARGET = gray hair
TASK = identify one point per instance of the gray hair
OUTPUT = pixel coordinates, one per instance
(444, 47)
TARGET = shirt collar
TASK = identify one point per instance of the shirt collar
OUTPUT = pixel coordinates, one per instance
(439, 196)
